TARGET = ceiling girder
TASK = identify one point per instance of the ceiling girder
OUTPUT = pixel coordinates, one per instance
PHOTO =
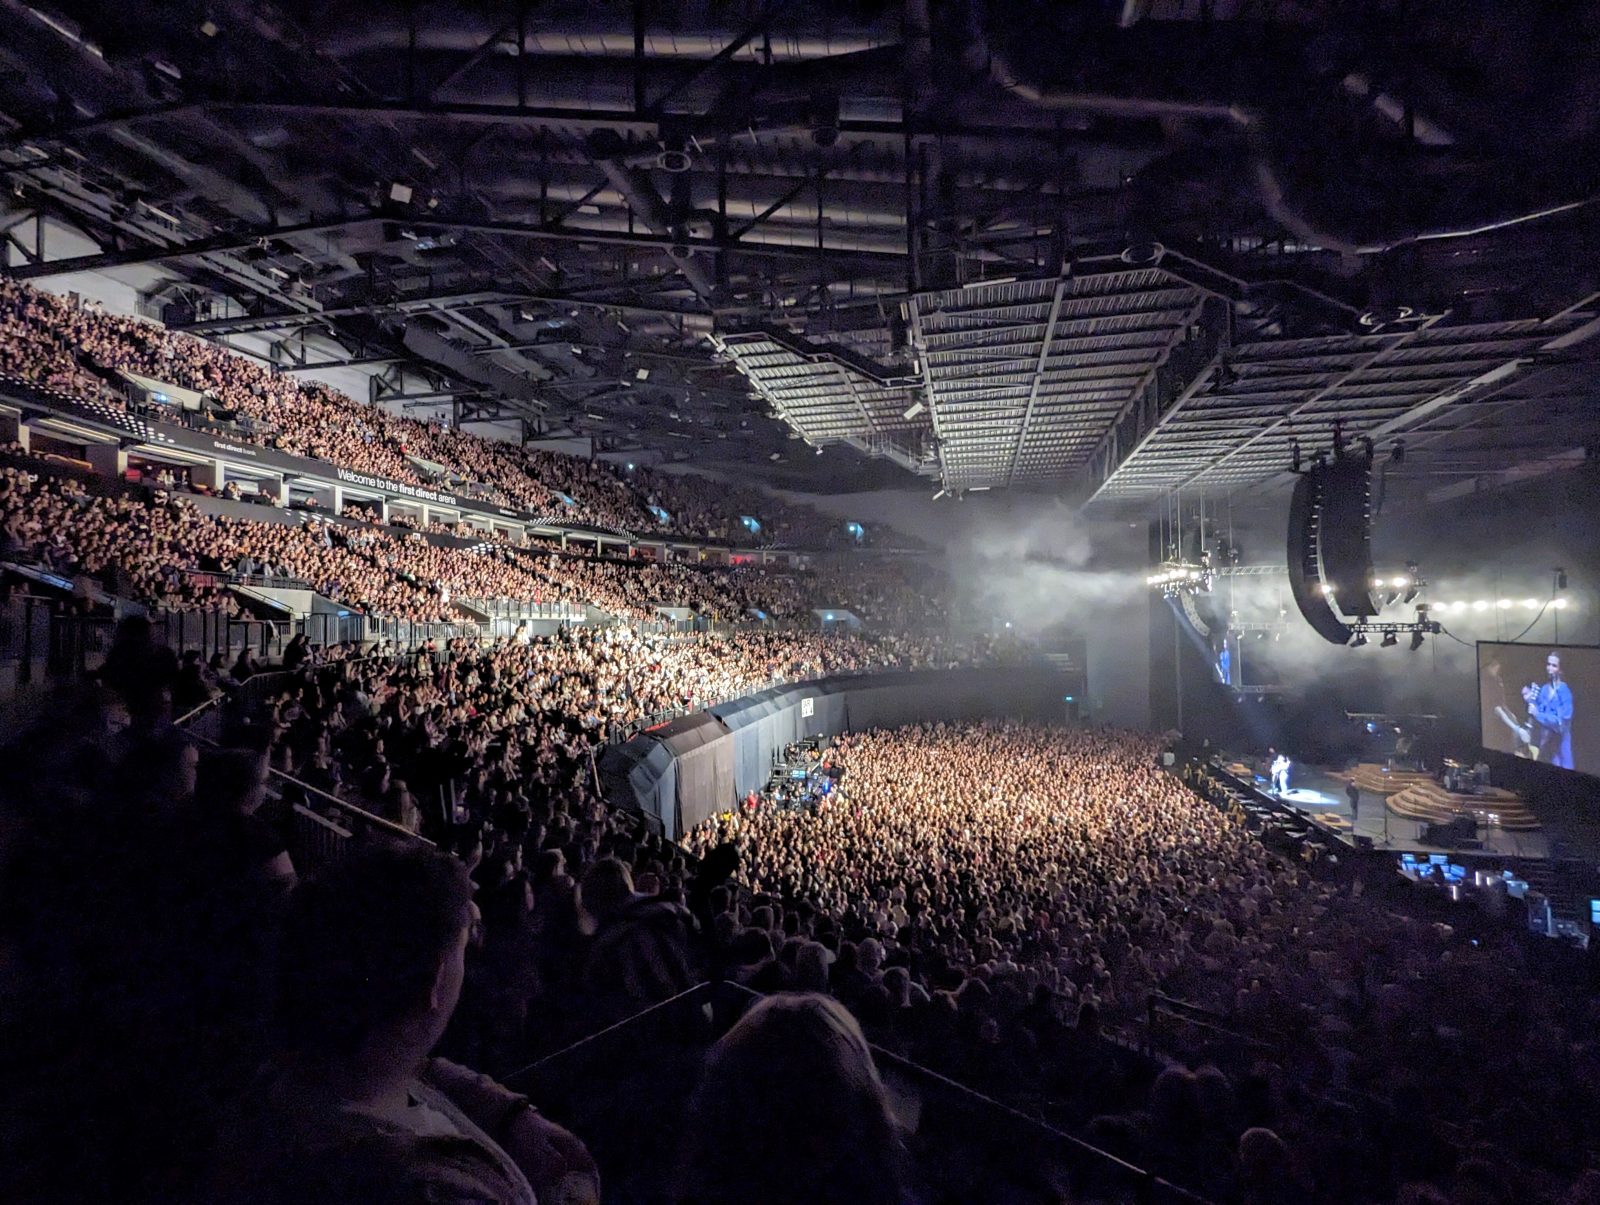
(102, 261)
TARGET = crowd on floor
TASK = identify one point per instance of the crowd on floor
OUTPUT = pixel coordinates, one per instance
(988, 898)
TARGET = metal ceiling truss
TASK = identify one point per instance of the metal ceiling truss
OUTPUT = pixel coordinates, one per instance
(1022, 378)
(556, 231)
(1239, 424)
(400, 181)
(829, 393)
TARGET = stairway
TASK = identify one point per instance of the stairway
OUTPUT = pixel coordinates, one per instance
(1420, 797)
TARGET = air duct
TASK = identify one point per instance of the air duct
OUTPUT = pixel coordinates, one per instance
(1108, 53)
(467, 29)
(636, 187)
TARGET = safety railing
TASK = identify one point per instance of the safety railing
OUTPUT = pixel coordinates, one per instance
(414, 634)
(328, 628)
(272, 581)
(657, 1053)
(1164, 1014)
(213, 632)
(322, 828)
(316, 841)
(43, 638)
(325, 827)
(515, 610)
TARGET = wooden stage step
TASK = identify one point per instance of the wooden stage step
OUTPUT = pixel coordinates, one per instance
(1422, 797)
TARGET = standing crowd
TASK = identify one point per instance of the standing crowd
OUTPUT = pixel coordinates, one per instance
(991, 898)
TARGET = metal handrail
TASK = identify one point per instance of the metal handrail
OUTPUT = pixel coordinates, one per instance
(1148, 1181)
(331, 800)
(389, 826)
(213, 701)
(1197, 1016)
(698, 989)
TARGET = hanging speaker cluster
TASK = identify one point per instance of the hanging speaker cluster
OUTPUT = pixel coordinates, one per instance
(1330, 547)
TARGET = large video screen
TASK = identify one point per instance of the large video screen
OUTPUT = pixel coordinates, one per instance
(1541, 702)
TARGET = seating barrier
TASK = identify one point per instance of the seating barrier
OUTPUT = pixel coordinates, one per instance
(648, 1064)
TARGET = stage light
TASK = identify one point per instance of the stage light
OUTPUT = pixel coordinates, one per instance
(1412, 582)
(1458, 605)
(1176, 578)
(1416, 641)
(1560, 604)
(1503, 604)
(1530, 604)
(1389, 640)
(1360, 640)
(1480, 605)
(1328, 588)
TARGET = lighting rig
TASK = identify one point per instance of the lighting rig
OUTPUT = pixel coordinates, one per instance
(1174, 579)
(1508, 601)
(1480, 605)
(1390, 632)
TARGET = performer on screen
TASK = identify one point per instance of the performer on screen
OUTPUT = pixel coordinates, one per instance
(1280, 774)
(1550, 709)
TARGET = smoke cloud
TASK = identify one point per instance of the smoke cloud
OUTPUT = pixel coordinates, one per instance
(1034, 563)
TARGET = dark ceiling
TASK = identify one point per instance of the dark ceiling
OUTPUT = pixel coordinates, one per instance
(1113, 249)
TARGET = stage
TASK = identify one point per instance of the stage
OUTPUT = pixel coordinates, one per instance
(1318, 794)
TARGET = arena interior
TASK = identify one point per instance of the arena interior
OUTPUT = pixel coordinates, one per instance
(768, 602)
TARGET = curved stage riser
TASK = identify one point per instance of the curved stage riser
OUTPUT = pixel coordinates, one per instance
(1422, 797)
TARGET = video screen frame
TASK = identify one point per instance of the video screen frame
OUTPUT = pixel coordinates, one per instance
(1509, 720)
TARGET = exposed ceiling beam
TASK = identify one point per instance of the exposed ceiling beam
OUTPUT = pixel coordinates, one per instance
(1038, 377)
(1504, 373)
(416, 304)
(226, 244)
(529, 115)
(1391, 345)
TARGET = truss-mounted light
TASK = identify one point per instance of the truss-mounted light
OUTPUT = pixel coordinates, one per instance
(1422, 627)
(1176, 578)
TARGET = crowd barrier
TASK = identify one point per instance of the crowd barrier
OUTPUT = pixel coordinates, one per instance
(688, 769)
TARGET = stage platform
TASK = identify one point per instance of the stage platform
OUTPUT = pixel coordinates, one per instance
(1396, 806)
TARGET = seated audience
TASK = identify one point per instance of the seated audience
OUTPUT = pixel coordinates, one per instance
(352, 1108)
(77, 349)
(790, 1111)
